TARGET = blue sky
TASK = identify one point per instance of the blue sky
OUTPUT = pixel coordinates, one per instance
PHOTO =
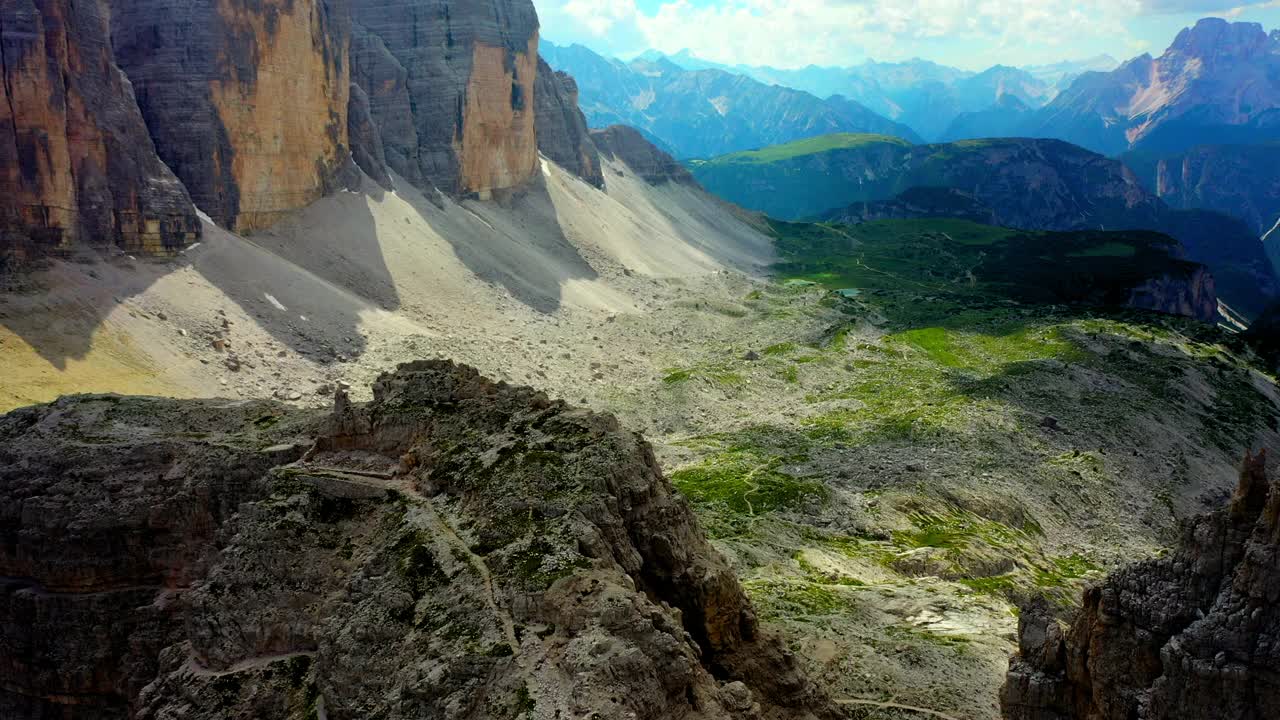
(972, 34)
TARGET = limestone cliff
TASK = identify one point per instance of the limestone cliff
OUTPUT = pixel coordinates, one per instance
(562, 128)
(76, 163)
(642, 156)
(1190, 293)
(454, 549)
(1195, 635)
(246, 99)
(465, 73)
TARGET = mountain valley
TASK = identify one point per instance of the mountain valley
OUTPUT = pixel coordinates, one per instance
(380, 359)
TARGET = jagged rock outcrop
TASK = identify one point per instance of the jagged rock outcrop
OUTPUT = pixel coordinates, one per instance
(562, 128)
(76, 163)
(246, 99)
(1192, 635)
(465, 73)
(454, 549)
(643, 157)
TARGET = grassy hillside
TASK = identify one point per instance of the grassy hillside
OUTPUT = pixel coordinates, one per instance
(979, 261)
(803, 178)
(799, 148)
(851, 179)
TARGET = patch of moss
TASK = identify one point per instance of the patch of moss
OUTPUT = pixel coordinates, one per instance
(746, 484)
(995, 586)
(794, 598)
(416, 564)
(955, 530)
(1064, 571)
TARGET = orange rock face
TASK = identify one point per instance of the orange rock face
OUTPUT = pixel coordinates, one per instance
(245, 99)
(498, 147)
(76, 164)
(287, 123)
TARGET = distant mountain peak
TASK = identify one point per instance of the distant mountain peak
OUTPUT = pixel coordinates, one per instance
(1215, 37)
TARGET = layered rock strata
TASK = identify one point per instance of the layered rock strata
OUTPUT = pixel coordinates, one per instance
(76, 163)
(246, 99)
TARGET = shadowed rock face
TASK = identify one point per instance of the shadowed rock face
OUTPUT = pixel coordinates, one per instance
(454, 549)
(562, 128)
(653, 165)
(76, 163)
(451, 87)
(258, 106)
(1192, 635)
(246, 99)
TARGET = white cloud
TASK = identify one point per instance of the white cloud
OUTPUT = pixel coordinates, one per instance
(600, 16)
(793, 33)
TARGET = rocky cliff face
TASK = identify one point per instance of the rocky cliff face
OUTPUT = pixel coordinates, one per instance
(76, 163)
(246, 100)
(1192, 294)
(562, 129)
(451, 88)
(1239, 180)
(454, 549)
(1192, 635)
(258, 106)
(653, 165)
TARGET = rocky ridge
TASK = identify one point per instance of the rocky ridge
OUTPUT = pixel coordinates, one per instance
(1191, 635)
(456, 548)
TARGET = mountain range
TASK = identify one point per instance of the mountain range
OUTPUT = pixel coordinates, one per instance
(926, 96)
(702, 113)
(1218, 80)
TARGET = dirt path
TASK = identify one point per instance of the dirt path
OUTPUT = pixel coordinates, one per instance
(895, 706)
(439, 525)
(491, 599)
(195, 668)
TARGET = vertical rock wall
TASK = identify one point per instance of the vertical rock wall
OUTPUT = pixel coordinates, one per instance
(562, 128)
(465, 71)
(246, 99)
(76, 163)
(1193, 635)
(118, 115)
